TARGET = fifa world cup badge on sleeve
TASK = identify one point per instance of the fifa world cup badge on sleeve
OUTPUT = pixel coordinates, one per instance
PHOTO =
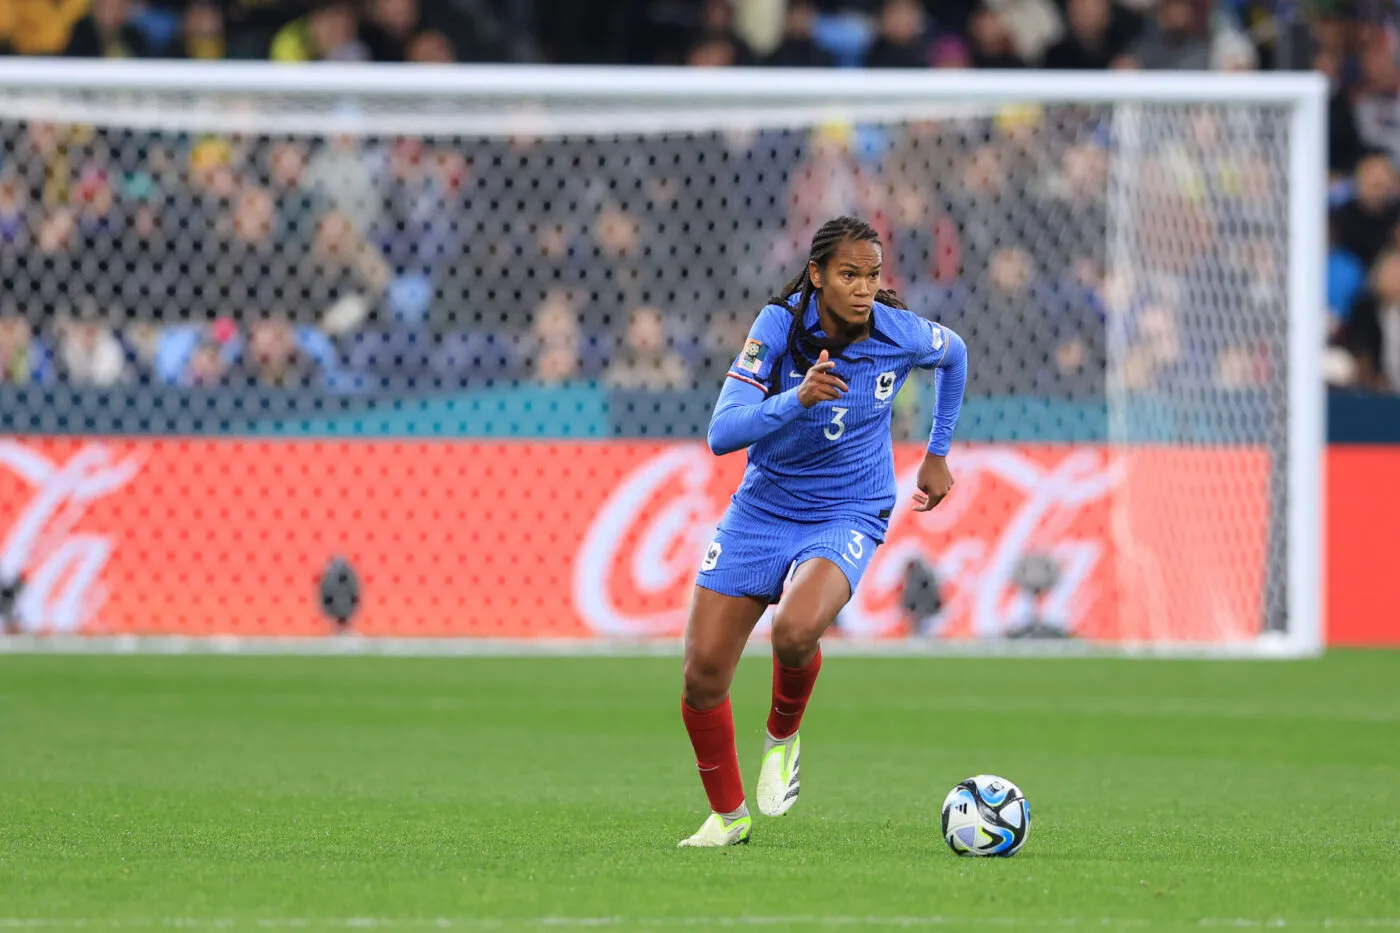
(751, 360)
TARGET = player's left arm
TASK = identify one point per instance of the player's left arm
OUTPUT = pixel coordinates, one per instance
(947, 354)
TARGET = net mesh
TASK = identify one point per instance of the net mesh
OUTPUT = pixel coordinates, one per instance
(276, 363)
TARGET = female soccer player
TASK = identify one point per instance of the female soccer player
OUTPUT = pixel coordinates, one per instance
(810, 396)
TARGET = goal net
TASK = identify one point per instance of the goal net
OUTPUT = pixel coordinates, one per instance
(429, 354)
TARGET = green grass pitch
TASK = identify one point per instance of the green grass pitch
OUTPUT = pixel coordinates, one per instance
(549, 793)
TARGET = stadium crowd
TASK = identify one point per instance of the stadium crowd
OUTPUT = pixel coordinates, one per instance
(360, 265)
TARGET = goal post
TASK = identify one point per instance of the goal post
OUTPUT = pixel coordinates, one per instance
(299, 351)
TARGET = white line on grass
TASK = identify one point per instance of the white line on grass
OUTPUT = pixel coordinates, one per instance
(625, 922)
(355, 645)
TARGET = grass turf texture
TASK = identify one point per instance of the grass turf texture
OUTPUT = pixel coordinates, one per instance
(495, 794)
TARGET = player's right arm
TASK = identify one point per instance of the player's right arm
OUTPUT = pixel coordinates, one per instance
(745, 412)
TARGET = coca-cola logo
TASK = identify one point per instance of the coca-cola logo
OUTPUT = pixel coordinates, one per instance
(652, 532)
(648, 538)
(1007, 503)
(61, 567)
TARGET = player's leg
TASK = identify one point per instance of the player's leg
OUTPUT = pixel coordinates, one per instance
(829, 568)
(819, 589)
(716, 632)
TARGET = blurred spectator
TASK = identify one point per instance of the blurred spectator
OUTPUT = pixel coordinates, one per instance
(38, 27)
(196, 356)
(388, 27)
(248, 241)
(412, 230)
(398, 354)
(1376, 103)
(1372, 334)
(107, 32)
(1346, 277)
(1012, 318)
(713, 51)
(339, 174)
(991, 41)
(647, 360)
(1344, 146)
(342, 265)
(1155, 349)
(901, 41)
(984, 180)
(1177, 38)
(275, 357)
(14, 213)
(1086, 46)
(295, 204)
(717, 21)
(97, 218)
(557, 348)
(797, 48)
(23, 360)
(211, 173)
(1363, 225)
(202, 36)
(251, 24)
(89, 352)
(827, 183)
(151, 278)
(50, 266)
(430, 47)
(627, 267)
(1231, 50)
(557, 340)
(950, 52)
(328, 33)
(209, 366)
(142, 342)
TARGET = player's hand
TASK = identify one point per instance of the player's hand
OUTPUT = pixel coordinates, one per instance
(820, 384)
(935, 482)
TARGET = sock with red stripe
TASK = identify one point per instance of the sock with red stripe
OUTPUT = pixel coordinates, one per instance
(712, 737)
(792, 688)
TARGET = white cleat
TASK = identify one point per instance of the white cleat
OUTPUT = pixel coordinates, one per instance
(778, 779)
(717, 831)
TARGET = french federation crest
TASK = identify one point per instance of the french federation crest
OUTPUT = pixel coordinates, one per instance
(884, 386)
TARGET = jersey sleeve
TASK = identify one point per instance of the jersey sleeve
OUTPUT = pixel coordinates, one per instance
(766, 342)
(949, 382)
(932, 342)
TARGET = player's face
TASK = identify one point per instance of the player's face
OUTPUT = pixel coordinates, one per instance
(849, 282)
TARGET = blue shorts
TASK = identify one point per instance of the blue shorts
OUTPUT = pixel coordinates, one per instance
(754, 551)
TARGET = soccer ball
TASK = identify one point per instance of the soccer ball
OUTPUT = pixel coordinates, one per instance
(986, 815)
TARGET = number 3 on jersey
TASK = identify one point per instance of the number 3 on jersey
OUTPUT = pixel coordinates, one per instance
(837, 427)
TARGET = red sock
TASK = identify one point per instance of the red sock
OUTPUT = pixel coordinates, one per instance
(792, 687)
(712, 736)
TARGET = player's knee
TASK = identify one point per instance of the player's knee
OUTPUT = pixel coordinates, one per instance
(796, 636)
(706, 681)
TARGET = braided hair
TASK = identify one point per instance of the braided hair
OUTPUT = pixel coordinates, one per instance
(803, 345)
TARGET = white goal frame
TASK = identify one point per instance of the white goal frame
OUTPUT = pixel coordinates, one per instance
(736, 95)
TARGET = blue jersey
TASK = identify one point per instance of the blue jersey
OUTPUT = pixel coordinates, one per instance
(835, 458)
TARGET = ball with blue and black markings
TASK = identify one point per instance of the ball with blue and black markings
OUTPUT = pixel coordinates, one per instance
(986, 815)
